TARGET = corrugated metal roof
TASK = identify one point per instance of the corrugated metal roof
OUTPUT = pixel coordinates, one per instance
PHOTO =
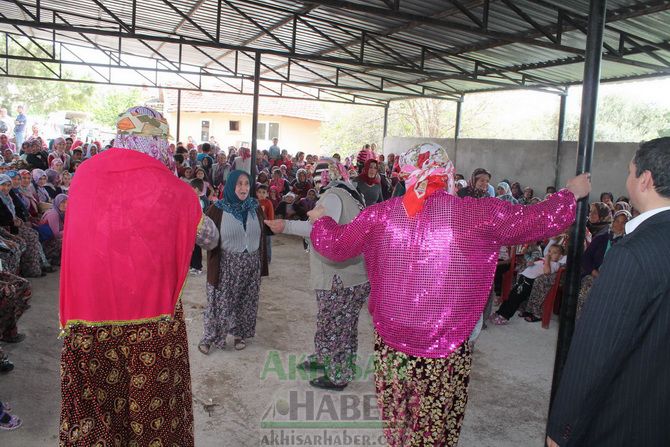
(425, 47)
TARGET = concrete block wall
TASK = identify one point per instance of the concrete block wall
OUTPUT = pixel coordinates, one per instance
(532, 162)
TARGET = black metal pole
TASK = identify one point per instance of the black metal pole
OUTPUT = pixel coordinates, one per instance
(587, 123)
(559, 138)
(254, 121)
(457, 129)
(386, 123)
(178, 113)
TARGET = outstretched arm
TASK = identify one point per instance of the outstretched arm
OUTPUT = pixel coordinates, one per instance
(509, 224)
(341, 242)
(208, 235)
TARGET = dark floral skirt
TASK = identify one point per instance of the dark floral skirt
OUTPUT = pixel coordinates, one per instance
(422, 400)
(232, 306)
(15, 293)
(127, 385)
(336, 338)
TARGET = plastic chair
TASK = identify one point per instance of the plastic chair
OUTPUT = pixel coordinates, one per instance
(508, 276)
(550, 300)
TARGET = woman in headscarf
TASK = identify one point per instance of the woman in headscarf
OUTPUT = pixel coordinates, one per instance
(368, 183)
(39, 187)
(504, 192)
(125, 261)
(600, 219)
(53, 183)
(279, 182)
(27, 193)
(234, 266)
(65, 180)
(59, 154)
(623, 206)
(528, 195)
(302, 184)
(220, 170)
(478, 185)
(243, 161)
(308, 203)
(15, 227)
(341, 287)
(594, 255)
(57, 165)
(431, 259)
(55, 220)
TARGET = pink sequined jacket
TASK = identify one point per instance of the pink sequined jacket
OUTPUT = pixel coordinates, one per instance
(431, 275)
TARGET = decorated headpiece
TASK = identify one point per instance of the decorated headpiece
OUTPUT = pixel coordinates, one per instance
(426, 168)
(145, 130)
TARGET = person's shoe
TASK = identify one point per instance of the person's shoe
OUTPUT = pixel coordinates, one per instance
(307, 365)
(498, 319)
(12, 422)
(15, 339)
(6, 366)
(325, 383)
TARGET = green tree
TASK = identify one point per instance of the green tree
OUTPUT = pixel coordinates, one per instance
(110, 103)
(40, 96)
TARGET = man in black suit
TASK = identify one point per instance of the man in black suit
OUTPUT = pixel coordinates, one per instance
(615, 389)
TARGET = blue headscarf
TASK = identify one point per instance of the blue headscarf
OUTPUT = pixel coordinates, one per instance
(232, 204)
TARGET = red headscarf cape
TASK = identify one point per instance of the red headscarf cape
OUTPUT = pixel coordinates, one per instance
(126, 248)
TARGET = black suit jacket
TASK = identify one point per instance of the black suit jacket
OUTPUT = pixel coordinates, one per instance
(615, 389)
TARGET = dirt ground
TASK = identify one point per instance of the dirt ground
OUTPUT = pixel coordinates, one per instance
(255, 397)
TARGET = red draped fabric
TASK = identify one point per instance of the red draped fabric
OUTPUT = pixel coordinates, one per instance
(130, 228)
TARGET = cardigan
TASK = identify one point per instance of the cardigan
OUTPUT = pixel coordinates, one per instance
(214, 255)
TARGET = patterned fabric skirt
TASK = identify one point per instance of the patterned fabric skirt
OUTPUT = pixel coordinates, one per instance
(584, 289)
(541, 288)
(336, 338)
(52, 250)
(422, 400)
(232, 306)
(28, 242)
(15, 293)
(11, 259)
(127, 385)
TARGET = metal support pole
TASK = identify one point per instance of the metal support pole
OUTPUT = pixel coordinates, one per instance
(594, 45)
(559, 138)
(254, 121)
(457, 129)
(178, 113)
(386, 124)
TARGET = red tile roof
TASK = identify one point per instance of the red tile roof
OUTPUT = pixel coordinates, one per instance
(192, 101)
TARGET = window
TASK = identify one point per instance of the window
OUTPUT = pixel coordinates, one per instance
(204, 134)
(234, 126)
(267, 131)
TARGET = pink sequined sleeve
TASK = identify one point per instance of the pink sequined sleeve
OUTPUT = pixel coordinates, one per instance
(341, 242)
(509, 224)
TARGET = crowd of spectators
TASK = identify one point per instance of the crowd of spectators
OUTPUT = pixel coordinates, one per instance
(35, 175)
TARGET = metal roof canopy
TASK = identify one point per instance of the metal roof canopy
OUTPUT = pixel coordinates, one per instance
(353, 51)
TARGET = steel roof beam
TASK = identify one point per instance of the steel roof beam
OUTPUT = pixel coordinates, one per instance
(425, 20)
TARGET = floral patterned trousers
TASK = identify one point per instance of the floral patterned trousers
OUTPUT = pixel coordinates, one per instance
(336, 338)
(422, 400)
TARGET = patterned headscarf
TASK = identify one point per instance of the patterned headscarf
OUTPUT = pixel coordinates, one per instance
(426, 168)
(145, 130)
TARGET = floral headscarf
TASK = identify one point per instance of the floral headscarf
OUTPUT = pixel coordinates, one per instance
(145, 130)
(426, 168)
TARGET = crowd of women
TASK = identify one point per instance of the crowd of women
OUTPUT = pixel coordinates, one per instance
(34, 182)
(291, 193)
